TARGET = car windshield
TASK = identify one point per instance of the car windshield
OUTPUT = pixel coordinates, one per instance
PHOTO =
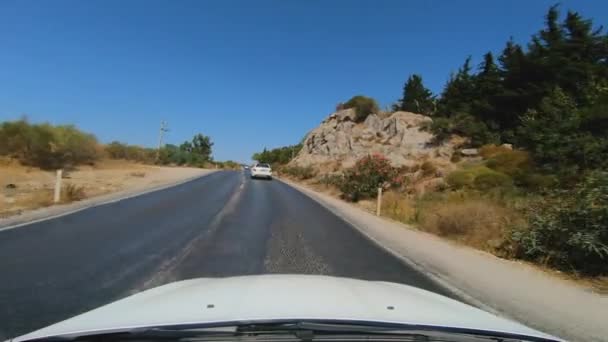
(430, 162)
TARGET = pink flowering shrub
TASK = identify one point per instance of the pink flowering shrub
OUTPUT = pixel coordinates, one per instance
(368, 174)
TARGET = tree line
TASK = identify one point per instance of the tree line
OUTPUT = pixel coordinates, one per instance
(549, 97)
(277, 156)
(59, 146)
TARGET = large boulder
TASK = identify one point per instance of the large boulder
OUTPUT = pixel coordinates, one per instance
(400, 137)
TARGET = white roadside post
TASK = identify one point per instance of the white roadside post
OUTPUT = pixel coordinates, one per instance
(57, 195)
(379, 203)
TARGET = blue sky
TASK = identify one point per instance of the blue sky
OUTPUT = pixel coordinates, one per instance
(250, 74)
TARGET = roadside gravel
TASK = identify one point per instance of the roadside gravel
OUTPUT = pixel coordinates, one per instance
(162, 178)
(507, 288)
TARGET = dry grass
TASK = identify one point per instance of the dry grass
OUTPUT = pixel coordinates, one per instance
(72, 192)
(32, 200)
(479, 223)
(320, 187)
(475, 221)
(428, 168)
(139, 174)
(490, 151)
(399, 207)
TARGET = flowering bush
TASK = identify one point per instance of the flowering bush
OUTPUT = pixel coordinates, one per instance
(368, 174)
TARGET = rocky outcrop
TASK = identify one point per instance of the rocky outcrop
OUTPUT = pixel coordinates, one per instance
(339, 140)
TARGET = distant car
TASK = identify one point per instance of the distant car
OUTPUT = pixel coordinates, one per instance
(246, 167)
(261, 170)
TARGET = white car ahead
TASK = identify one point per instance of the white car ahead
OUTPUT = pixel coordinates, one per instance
(285, 308)
(261, 170)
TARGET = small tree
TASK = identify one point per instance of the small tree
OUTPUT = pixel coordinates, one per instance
(363, 106)
(201, 146)
(416, 97)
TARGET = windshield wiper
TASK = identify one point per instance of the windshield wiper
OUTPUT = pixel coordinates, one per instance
(155, 333)
(316, 330)
(296, 331)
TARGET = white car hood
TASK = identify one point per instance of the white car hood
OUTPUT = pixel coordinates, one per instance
(269, 297)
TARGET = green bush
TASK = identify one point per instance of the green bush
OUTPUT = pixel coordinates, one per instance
(117, 150)
(490, 180)
(460, 179)
(332, 179)
(229, 165)
(47, 146)
(369, 173)
(478, 177)
(363, 106)
(535, 181)
(518, 165)
(510, 162)
(441, 128)
(462, 124)
(569, 230)
(74, 146)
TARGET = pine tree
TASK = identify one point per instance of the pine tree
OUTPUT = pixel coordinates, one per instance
(514, 100)
(416, 98)
(458, 92)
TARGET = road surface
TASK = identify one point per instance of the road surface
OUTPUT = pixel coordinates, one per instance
(223, 224)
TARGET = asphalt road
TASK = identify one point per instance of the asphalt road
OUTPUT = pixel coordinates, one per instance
(223, 224)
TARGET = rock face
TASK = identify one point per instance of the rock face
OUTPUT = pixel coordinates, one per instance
(399, 137)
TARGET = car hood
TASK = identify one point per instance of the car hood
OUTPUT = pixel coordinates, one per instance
(283, 297)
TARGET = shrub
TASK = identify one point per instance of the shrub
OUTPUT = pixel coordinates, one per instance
(47, 146)
(491, 150)
(116, 150)
(74, 146)
(536, 181)
(460, 179)
(511, 162)
(363, 106)
(478, 177)
(490, 180)
(441, 128)
(229, 165)
(72, 192)
(398, 207)
(331, 179)
(462, 124)
(569, 231)
(428, 168)
(518, 165)
(300, 172)
(369, 173)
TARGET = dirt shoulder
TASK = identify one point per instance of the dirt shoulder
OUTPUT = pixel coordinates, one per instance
(26, 193)
(508, 288)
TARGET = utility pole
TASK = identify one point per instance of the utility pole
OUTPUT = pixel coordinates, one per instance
(161, 133)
